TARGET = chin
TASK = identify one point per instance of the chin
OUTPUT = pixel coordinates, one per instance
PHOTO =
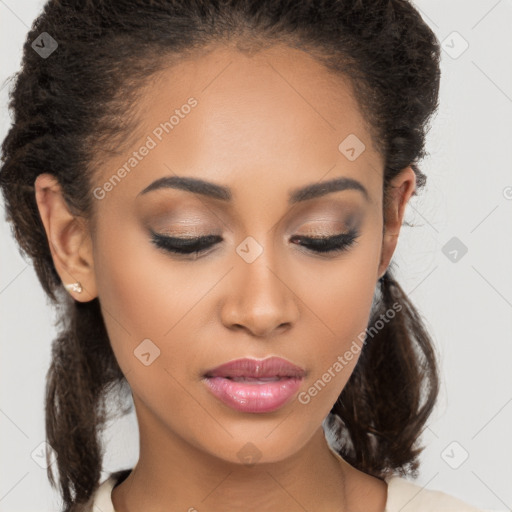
(268, 446)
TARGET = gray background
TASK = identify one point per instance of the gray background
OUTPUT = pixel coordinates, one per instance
(467, 303)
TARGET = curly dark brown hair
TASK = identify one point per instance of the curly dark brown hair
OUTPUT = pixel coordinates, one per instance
(78, 102)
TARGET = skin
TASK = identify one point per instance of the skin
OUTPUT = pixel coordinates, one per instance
(268, 123)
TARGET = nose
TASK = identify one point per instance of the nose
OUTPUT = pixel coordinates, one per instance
(259, 298)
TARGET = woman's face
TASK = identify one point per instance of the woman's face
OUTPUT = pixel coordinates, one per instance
(258, 128)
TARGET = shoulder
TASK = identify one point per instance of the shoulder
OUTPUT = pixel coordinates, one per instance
(101, 499)
(407, 496)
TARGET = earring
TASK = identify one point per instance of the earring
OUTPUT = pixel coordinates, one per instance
(74, 287)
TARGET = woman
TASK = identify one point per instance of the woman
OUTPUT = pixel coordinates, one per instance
(213, 192)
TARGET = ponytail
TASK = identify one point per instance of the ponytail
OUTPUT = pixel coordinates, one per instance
(384, 406)
(82, 373)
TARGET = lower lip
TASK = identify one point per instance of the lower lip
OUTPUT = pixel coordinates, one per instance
(254, 396)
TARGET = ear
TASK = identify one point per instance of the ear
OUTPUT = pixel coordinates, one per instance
(68, 237)
(401, 189)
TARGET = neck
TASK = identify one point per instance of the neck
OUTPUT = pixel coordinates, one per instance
(178, 476)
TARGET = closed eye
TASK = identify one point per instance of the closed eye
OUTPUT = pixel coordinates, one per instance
(331, 244)
(199, 245)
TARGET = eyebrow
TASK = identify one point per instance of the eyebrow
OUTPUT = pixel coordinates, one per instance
(209, 189)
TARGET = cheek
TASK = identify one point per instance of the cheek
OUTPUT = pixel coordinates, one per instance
(340, 302)
(343, 291)
(140, 295)
(146, 303)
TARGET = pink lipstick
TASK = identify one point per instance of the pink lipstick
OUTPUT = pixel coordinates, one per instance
(255, 385)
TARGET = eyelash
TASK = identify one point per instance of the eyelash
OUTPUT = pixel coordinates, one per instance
(196, 246)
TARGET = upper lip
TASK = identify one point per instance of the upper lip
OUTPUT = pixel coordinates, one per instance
(245, 367)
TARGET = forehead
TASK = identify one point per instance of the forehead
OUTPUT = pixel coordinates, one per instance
(276, 115)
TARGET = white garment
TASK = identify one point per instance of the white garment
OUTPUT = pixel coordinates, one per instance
(403, 496)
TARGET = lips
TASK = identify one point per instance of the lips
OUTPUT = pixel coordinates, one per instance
(271, 368)
(255, 386)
